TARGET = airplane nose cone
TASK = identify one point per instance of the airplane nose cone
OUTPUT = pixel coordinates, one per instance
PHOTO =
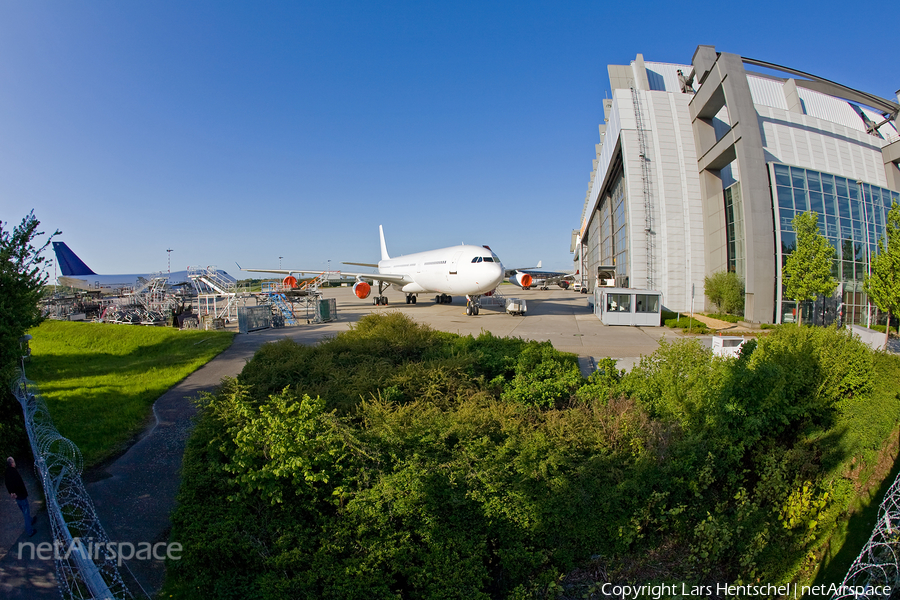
(497, 275)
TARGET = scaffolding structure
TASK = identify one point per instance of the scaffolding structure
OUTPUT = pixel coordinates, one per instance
(216, 293)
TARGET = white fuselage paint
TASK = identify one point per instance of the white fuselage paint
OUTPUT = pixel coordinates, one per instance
(447, 271)
(110, 283)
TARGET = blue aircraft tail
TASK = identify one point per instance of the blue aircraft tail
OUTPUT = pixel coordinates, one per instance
(70, 264)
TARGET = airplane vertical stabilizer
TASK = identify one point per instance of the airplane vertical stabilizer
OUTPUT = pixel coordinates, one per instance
(68, 263)
(384, 252)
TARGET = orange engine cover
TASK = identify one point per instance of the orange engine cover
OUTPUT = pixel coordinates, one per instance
(289, 282)
(362, 289)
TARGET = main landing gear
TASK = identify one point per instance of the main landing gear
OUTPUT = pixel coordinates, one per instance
(381, 300)
(410, 298)
(443, 299)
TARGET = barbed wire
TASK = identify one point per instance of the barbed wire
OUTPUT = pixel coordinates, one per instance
(876, 571)
(85, 559)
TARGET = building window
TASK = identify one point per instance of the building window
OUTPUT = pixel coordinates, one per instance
(620, 231)
(734, 228)
(618, 303)
(646, 303)
(851, 217)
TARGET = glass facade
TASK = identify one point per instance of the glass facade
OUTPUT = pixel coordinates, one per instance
(611, 232)
(852, 216)
(734, 228)
(620, 232)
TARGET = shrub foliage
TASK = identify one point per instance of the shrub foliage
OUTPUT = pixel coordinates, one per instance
(395, 461)
(726, 290)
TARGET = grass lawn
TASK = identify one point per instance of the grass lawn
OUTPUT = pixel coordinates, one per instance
(100, 380)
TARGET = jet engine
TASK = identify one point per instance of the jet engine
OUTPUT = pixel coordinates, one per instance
(564, 284)
(523, 280)
(362, 289)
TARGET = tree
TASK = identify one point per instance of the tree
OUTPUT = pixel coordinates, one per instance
(21, 283)
(883, 285)
(807, 271)
(726, 291)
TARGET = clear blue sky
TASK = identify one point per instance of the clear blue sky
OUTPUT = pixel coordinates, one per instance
(244, 131)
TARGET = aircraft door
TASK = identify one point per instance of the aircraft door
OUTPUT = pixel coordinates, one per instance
(452, 270)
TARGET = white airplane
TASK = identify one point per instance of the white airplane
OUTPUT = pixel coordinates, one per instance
(470, 271)
(76, 274)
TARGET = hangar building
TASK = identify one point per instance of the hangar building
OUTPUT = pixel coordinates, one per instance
(702, 167)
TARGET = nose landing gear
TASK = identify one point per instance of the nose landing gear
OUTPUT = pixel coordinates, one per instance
(472, 305)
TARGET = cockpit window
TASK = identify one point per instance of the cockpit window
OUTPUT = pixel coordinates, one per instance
(477, 259)
(488, 259)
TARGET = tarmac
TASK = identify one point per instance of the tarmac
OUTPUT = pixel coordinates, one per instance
(135, 494)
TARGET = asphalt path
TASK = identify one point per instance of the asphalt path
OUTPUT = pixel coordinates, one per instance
(135, 494)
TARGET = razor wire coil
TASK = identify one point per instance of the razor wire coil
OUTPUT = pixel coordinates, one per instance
(877, 568)
(83, 556)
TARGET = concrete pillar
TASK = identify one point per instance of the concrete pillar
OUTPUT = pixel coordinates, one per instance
(891, 154)
(792, 96)
(724, 83)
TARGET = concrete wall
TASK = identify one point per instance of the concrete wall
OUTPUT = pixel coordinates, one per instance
(811, 143)
(677, 214)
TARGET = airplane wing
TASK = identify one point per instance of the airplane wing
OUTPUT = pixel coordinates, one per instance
(539, 273)
(396, 279)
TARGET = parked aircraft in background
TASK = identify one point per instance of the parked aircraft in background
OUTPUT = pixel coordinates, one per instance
(470, 271)
(536, 277)
(76, 274)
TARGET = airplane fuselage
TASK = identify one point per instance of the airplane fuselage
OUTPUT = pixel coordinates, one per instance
(111, 283)
(459, 270)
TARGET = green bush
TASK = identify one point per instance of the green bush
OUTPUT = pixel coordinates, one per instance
(462, 467)
(687, 324)
(543, 377)
(726, 291)
(13, 439)
(725, 317)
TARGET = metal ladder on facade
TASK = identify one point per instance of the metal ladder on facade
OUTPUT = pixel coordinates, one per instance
(646, 183)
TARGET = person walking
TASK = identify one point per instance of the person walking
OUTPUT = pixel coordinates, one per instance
(16, 488)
